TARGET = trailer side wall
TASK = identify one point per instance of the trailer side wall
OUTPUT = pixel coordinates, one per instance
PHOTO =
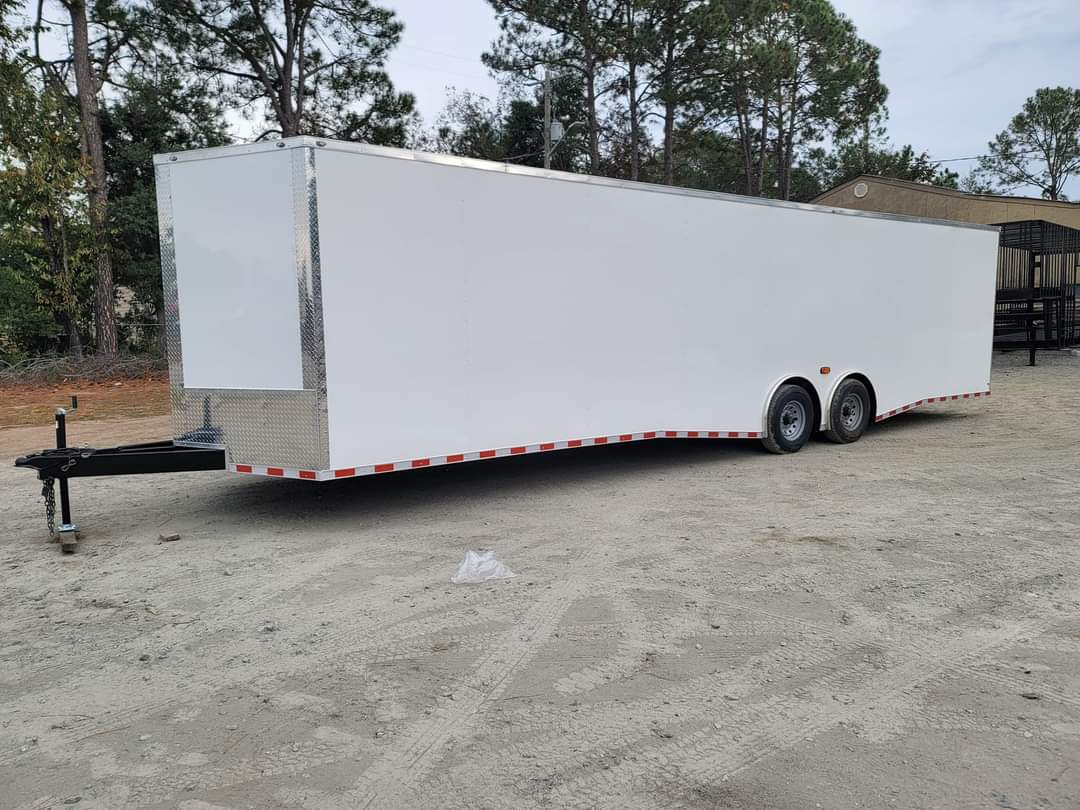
(468, 309)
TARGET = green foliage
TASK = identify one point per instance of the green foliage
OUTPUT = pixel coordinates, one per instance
(523, 133)
(473, 126)
(1040, 147)
(315, 68)
(790, 74)
(7, 36)
(708, 159)
(169, 67)
(575, 39)
(780, 76)
(974, 183)
(156, 113)
(632, 60)
(27, 324)
(45, 243)
(851, 158)
(42, 215)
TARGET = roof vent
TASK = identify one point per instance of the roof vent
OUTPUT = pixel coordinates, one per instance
(861, 190)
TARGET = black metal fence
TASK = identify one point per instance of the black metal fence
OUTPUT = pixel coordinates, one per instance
(1037, 277)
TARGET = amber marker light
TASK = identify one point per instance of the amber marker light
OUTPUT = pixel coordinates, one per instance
(825, 369)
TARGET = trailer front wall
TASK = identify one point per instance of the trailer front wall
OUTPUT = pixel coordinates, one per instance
(242, 303)
(236, 270)
(468, 308)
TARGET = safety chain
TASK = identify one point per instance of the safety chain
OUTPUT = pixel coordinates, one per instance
(48, 492)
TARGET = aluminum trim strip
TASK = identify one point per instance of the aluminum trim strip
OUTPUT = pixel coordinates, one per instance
(309, 288)
(170, 295)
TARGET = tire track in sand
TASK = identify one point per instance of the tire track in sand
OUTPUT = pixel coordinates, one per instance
(775, 724)
(628, 657)
(393, 628)
(393, 779)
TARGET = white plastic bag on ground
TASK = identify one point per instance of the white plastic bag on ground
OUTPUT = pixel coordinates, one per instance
(480, 566)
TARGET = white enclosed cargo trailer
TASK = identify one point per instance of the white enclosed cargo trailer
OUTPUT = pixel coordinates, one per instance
(335, 309)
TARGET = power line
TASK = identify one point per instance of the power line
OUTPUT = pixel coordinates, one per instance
(392, 61)
(957, 160)
(979, 157)
(438, 53)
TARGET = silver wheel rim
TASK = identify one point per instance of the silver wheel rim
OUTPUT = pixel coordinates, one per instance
(851, 412)
(792, 420)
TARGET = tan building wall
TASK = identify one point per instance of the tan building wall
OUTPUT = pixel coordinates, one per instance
(920, 200)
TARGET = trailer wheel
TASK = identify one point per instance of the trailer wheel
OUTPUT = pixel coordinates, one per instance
(849, 412)
(790, 420)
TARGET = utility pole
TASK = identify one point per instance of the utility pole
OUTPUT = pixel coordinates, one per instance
(547, 119)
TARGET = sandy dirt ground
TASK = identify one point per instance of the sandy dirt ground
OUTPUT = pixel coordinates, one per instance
(894, 623)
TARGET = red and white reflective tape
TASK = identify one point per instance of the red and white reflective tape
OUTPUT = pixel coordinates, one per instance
(542, 447)
(458, 458)
(277, 472)
(888, 414)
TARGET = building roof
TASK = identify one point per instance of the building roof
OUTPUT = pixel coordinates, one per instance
(927, 188)
(869, 192)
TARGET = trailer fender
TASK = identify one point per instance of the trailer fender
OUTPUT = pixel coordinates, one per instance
(797, 378)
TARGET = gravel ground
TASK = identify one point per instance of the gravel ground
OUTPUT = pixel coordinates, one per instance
(693, 624)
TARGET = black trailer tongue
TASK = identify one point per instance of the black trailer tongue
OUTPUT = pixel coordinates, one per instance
(62, 462)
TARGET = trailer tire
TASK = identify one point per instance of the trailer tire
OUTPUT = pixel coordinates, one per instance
(789, 421)
(849, 412)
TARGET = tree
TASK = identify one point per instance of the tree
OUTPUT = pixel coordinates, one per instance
(633, 59)
(1041, 145)
(42, 177)
(622, 148)
(157, 111)
(573, 38)
(87, 88)
(681, 32)
(7, 36)
(790, 74)
(707, 159)
(316, 65)
(854, 157)
(512, 131)
(523, 134)
(975, 183)
(470, 126)
(653, 47)
(632, 44)
(98, 39)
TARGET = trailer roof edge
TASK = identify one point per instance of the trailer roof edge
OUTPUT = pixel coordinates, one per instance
(529, 171)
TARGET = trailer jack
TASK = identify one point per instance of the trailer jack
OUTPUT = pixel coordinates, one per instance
(63, 462)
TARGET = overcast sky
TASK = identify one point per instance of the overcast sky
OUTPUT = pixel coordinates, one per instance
(957, 70)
